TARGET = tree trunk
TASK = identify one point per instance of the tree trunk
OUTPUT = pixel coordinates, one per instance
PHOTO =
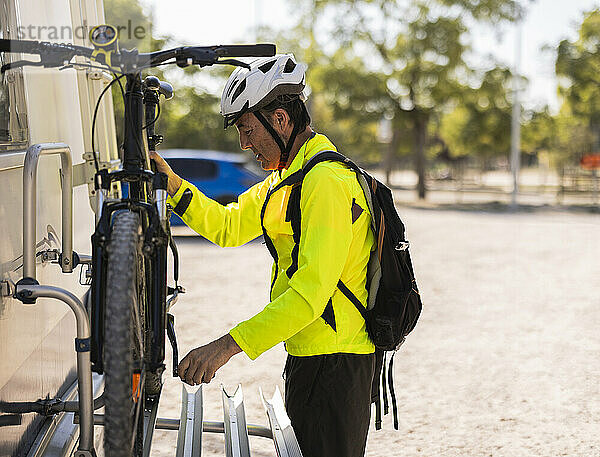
(390, 152)
(561, 187)
(420, 132)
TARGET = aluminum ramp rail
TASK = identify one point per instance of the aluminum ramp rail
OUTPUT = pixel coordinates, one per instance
(234, 427)
(284, 437)
(60, 439)
(189, 437)
(236, 433)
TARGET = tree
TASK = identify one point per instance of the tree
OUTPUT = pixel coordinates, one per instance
(191, 119)
(578, 66)
(349, 100)
(480, 124)
(539, 133)
(127, 16)
(562, 138)
(415, 47)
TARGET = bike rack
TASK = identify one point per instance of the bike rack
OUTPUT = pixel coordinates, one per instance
(283, 433)
(59, 434)
(236, 434)
(189, 438)
(28, 289)
(30, 167)
(82, 346)
(191, 425)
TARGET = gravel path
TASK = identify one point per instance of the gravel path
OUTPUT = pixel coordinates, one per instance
(505, 360)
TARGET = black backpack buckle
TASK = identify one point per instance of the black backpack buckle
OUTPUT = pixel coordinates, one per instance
(402, 246)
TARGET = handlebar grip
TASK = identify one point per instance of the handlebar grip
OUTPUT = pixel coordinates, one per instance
(25, 46)
(43, 47)
(246, 50)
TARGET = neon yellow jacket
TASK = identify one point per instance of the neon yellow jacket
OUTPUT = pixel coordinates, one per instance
(332, 247)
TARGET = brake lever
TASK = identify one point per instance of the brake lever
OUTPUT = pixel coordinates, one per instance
(237, 63)
(19, 64)
(194, 56)
(174, 292)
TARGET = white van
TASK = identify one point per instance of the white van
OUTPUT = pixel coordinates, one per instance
(40, 106)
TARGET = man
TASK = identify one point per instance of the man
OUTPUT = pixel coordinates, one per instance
(330, 363)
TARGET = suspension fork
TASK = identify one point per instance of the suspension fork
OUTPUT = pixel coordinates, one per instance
(134, 157)
(155, 247)
(158, 260)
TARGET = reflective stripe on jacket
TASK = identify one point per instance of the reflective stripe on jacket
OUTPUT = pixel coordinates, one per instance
(335, 243)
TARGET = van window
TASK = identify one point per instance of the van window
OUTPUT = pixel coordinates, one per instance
(13, 115)
(194, 168)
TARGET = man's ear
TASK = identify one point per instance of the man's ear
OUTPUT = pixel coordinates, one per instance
(281, 118)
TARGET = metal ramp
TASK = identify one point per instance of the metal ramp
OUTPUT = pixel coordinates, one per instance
(234, 418)
(189, 438)
(59, 437)
(281, 427)
(191, 425)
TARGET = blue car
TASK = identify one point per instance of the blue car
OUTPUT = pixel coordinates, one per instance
(219, 175)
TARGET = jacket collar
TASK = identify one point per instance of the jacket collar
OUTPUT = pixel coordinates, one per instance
(316, 143)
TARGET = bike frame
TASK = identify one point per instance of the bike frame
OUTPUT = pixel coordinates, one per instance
(144, 188)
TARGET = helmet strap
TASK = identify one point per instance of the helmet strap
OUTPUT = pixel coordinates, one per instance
(285, 149)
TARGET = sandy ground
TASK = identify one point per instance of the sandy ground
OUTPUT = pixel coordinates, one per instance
(505, 360)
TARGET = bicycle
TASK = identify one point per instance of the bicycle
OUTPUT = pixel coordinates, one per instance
(129, 304)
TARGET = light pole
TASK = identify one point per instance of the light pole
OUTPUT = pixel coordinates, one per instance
(257, 11)
(515, 143)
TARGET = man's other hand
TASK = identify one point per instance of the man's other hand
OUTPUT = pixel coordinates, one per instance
(162, 166)
(201, 364)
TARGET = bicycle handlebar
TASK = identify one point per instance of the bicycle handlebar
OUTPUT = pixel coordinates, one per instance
(246, 50)
(37, 47)
(57, 54)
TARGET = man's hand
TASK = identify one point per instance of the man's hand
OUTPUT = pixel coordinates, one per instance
(162, 166)
(201, 364)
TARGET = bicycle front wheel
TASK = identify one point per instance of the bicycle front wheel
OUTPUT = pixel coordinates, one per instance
(124, 338)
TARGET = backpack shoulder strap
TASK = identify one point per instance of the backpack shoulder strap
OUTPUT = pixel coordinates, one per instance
(325, 156)
(337, 157)
(366, 181)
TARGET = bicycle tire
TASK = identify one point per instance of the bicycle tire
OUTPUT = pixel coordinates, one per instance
(124, 335)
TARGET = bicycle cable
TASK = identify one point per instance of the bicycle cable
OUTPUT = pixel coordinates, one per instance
(153, 121)
(93, 67)
(96, 165)
(120, 85)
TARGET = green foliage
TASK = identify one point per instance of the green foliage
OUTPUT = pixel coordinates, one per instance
(414, 50)
(538, 134)
(575, 130)
(572, 138)
(424, 61)
(348, 102)
(191, 119)
(133, 23)
(562, 139)
(578, 65)
(480, 125)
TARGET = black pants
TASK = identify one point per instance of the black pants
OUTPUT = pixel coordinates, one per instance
(328, 400)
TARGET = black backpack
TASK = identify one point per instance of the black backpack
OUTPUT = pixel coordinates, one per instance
(394, 303)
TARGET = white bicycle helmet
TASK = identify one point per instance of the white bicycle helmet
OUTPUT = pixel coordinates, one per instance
(249, 90)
